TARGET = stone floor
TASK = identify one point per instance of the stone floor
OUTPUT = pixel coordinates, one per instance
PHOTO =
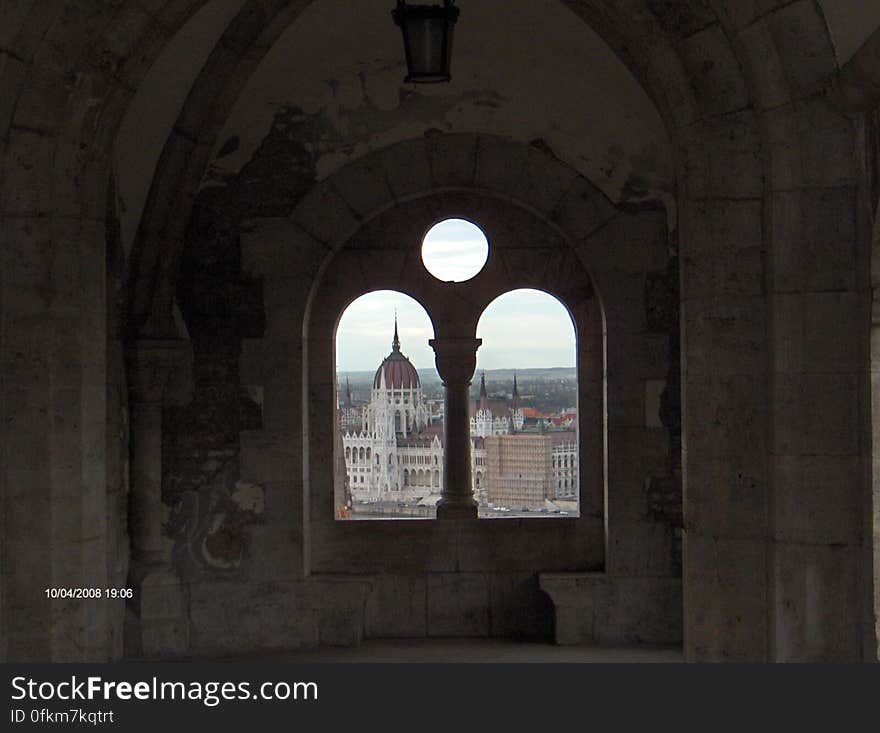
(466, 650)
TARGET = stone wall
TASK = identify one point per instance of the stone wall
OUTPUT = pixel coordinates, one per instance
(774, 295)
(498, 184)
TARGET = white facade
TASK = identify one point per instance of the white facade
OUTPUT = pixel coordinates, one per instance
(565, 470)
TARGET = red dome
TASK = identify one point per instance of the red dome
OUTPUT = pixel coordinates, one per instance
(399, 371)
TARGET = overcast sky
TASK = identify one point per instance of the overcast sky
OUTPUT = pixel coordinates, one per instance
(454, 250)
(521, 329)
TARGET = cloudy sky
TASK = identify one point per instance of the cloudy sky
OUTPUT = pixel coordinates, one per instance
(454, 250)
(521, 329)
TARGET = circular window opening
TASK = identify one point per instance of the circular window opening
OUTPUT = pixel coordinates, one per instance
(455, 250)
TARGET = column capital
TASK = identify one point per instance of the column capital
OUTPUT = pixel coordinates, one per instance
(456, 358)
(150, 363)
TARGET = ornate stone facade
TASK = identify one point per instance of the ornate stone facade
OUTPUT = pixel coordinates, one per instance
(392, 453)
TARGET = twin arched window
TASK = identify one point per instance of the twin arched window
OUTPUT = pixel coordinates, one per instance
(524, 396)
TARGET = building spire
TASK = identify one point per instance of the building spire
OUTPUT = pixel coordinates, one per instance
(484, 397)
(395, 344)
(515, 393)
(347, 393)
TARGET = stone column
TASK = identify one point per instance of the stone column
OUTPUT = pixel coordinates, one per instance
(456, 360)
(160, 624)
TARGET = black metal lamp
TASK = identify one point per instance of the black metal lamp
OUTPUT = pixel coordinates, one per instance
(427, 39)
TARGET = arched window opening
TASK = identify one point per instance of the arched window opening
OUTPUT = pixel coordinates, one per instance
(389, 404)
(524, 408)
(455, 250)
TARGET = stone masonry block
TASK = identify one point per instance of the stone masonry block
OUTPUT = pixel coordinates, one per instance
(680, 18)
(725, 336)
(582, 210)
(544, 181)
(727, 495)
(325, 215)
(812, 145)
(628, 243)
(716, 225)
(815, 499)
(577, 600)
(363, 184)
(816, 414)
(814, 239)
(832, 332)
(12, 76)
(803, 43)
(453, 159)
(641, 611)
(500, 164)
(722, 157)
(726, 416)
(406, 168)
(742, 13)
(42, 101)
(643, 548)
(278, 248)
(397, 607)
(715, 71)
(726, 610)
(518, 607)
(815, 600)
(27, 184)
(458, 604)
(270, 456)
(228, 617)
(771, 85)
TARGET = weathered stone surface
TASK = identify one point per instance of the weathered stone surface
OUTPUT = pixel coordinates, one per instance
(811, 144)
(722, 574)
(544, 180)
(325, 215)
(714, 71)
(815, 585)
(598, 608)
(407, 168)
(452, 159)
(500, 164)
(397, 607)
(232, 618)
(458, 604)
(518, 608)
(364, 186)
(815, 240)
(767, 208)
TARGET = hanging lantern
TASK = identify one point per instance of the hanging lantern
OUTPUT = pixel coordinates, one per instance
(427, 39)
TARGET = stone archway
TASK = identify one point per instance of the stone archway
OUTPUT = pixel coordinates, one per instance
(737, 95)
(564, 235)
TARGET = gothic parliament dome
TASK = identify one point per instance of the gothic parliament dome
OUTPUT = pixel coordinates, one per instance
(398, 370)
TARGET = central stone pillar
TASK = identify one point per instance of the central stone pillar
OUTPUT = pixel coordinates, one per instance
(456, 360)
(157, 622)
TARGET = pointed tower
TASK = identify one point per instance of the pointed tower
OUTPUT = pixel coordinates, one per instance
(517, 417)
(484, 397)
(347, 404)
(481, 422)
